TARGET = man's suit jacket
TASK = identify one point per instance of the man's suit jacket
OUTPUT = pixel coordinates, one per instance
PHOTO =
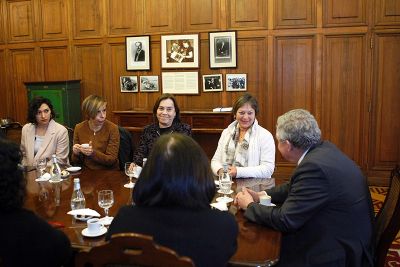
(139, 55)
(55, 141)
(325, 212)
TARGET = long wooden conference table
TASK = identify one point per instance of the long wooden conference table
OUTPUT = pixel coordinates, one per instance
(257, 245)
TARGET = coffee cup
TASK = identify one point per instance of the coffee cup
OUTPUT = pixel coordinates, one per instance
(265, 200)
(85, 145)
(94, 225)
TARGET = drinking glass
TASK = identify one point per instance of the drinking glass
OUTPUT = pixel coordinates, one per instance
(225, 183)
(41, 164)
(106, 200)
(130, 172)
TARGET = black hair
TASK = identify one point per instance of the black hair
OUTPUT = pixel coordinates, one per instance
(177, 174)
(163, 97)
(12, 180)
(34, 106)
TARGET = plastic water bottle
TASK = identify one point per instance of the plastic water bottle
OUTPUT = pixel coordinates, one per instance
(55, 170)
(77, 199)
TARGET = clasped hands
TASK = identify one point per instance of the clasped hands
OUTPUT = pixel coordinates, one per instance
(247, 196)
(85, 149)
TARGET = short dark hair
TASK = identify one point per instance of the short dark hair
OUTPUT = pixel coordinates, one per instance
(35, 104)
(163, 97)
(12, 180)
(244, 99)
(177, 173)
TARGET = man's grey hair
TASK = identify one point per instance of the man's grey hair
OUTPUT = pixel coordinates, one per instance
(299, 127)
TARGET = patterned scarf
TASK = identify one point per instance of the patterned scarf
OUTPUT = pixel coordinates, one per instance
(236, 152)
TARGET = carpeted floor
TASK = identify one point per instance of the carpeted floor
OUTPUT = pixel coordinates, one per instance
(378, 196)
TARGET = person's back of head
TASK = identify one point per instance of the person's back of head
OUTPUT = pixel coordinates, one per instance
(177, 174)
(299, 127)
(12, 180)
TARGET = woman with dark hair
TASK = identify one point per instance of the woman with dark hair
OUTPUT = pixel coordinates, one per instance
(166, 115)
(96, 139)
(248, 148)
(42, 136)
(172, 203)
(26, 239)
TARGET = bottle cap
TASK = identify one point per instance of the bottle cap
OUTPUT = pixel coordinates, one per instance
(76, 180)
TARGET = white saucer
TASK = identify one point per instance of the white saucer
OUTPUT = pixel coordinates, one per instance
(220, 191)
(86, 233)
(226, 200)
(55, 182)
(129, 186)
(73, 169)
(42, 179)
(83, 218)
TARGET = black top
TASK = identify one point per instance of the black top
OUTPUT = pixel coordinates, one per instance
(151, 133)
(27, 240)
(207, 236)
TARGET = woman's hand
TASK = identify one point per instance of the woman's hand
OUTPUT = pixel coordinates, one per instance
(232, 171)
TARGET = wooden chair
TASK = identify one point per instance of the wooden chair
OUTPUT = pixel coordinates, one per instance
(131, 249)
(387, 222)
(13, 132)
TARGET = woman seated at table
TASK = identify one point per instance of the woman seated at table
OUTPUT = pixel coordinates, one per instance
(27, 240)
(248, 148)
(42, 136)
(96, 140)
(172, 197)
(167, 120)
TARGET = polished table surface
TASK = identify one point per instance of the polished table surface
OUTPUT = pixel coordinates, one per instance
(257, 245)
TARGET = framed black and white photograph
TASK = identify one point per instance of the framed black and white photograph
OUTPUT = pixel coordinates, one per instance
(236, 82)
(128, 84)
(138, 53)
(222, 49)
(180, 51)
(212, 83)
(149, 84)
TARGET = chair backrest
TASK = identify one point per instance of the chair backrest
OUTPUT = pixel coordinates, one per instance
(131, 249)
(125, 153)
(14, 131)
(71, 140)
(387, 222)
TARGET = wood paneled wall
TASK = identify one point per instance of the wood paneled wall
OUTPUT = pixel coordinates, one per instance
(340, 59)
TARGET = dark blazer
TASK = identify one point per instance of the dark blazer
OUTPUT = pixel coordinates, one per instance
(207, 236)
(139, 55)
(325, 213)
(27, 240)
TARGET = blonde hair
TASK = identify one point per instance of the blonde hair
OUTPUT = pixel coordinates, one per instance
(91, 105)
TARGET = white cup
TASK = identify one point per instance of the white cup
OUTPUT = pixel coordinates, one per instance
(265, 200)
(85, 145)
(94, 225)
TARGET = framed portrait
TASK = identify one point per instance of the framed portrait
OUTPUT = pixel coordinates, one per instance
(223, 52)
(212, 83)
(180, 51)
(138, 53)
(149, 84)
(128, 84)
(236, 82)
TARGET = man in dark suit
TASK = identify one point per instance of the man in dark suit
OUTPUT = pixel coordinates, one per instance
(139, 54)
(325, 210)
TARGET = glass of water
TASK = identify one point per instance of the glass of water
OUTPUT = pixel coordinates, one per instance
(225, 184)
(106, 201)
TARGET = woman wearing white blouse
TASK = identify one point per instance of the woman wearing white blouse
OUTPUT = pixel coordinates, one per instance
(42, 136)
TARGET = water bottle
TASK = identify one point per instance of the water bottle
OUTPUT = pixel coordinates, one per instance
(77, 199)
(225, 180)
(55, 170)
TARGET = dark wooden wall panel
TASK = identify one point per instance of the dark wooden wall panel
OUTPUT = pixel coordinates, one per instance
(88, 18)
(385, 141)
(4, 90)
(2, 22)
(23, 69)
(387, 12)
(55, 63)
(125, 16)
(295, 14)
(89, 69)
(53, 19)
(21, 21)
(343, 82)
(160, 16)
(201, 15)
(247, 14)
(345, 12)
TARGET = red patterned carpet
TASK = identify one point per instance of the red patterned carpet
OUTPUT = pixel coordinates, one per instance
(378, 196)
